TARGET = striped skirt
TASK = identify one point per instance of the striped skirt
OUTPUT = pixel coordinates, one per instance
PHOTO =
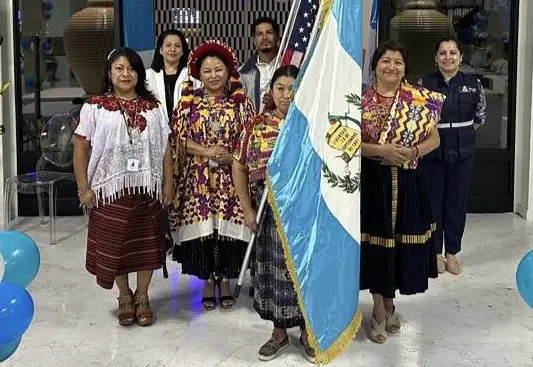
(125, 236)
(275, 298)
(397, 251)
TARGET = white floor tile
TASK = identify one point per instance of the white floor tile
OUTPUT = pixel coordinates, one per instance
(475, 319)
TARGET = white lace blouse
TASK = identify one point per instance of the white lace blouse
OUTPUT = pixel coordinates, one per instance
(128, 141)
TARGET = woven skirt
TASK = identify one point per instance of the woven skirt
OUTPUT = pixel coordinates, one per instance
(275, 298)
(125, 236)
(397, 251)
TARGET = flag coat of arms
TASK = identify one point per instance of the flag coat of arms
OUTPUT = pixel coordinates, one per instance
(313, 178)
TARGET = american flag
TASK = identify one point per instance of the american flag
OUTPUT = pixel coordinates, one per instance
(299, 33)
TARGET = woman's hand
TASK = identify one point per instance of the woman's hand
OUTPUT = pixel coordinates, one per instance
(214, 151)
(169, 192)
(87, 198)
(225, 158)
(249, 219)
(220, 155)
(395, 155)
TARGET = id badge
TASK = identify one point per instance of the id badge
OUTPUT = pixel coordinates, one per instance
(133, 165)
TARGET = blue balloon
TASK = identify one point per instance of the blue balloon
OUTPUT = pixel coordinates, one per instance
(16, 312)
(524, 278)
(6, 350)
(21, 257)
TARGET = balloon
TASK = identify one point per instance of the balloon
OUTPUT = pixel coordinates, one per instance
(524, 278)
(16, 312)
(21, 257)
(6, 350)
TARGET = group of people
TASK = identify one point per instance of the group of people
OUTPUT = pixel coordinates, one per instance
(183, 146)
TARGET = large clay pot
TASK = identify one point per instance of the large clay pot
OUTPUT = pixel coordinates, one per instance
(419, 26)
(88, 38)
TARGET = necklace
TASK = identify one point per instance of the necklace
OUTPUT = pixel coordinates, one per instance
(131, 128)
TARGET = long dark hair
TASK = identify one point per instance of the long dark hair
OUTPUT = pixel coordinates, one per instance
(136, 63)
(158, 62)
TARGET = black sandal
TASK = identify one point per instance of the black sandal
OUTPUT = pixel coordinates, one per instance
(226, 301)
(210, 303)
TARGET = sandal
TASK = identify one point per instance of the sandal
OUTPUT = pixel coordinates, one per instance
(144, 314)
(453, 265)
(126, 310)
(209, 302)
(271, 349)
(378, 331)
(393, 324)
(226, 301)
(308, 351)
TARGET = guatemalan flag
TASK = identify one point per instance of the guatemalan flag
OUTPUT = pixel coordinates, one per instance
(313, 178)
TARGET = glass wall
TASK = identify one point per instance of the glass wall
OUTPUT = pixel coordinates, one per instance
(484, 28)
(44, 66)
(46, 87)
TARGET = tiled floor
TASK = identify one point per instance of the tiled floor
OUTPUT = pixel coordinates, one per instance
(476, 319)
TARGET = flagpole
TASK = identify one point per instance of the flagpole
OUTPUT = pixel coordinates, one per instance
(258, 220)
(287, 32)
(262, 204)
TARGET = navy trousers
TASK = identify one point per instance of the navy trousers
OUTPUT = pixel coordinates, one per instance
(448, 181)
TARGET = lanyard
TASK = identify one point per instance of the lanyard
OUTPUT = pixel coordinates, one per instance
(125, 116)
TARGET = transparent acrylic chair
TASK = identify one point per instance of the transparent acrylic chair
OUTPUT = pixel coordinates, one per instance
(56, 146)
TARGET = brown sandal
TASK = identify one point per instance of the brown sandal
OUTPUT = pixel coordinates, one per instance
(126, 310)
(143, 313)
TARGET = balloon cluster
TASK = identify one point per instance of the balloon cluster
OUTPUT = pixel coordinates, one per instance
(21, 264)
(524, 278)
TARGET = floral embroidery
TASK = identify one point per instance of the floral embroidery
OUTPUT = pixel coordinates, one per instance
(133, 108)
(205, 190)
(257, 144)
(376, 111)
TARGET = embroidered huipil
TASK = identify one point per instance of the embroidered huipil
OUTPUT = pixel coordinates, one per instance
(124, 160)
(257, 144)
(207, 201)
(406, 119)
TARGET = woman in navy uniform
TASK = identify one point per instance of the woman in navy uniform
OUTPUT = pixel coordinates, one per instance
(449, 167)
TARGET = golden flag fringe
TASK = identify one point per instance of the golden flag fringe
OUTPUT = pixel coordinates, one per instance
(325, 6)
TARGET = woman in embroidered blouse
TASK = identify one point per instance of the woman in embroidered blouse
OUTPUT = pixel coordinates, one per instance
(398, 127)
(274, 296)
(123, 170)
(169, 69)
(207, 219)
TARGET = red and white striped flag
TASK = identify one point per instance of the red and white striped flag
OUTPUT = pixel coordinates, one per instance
(298, 32)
